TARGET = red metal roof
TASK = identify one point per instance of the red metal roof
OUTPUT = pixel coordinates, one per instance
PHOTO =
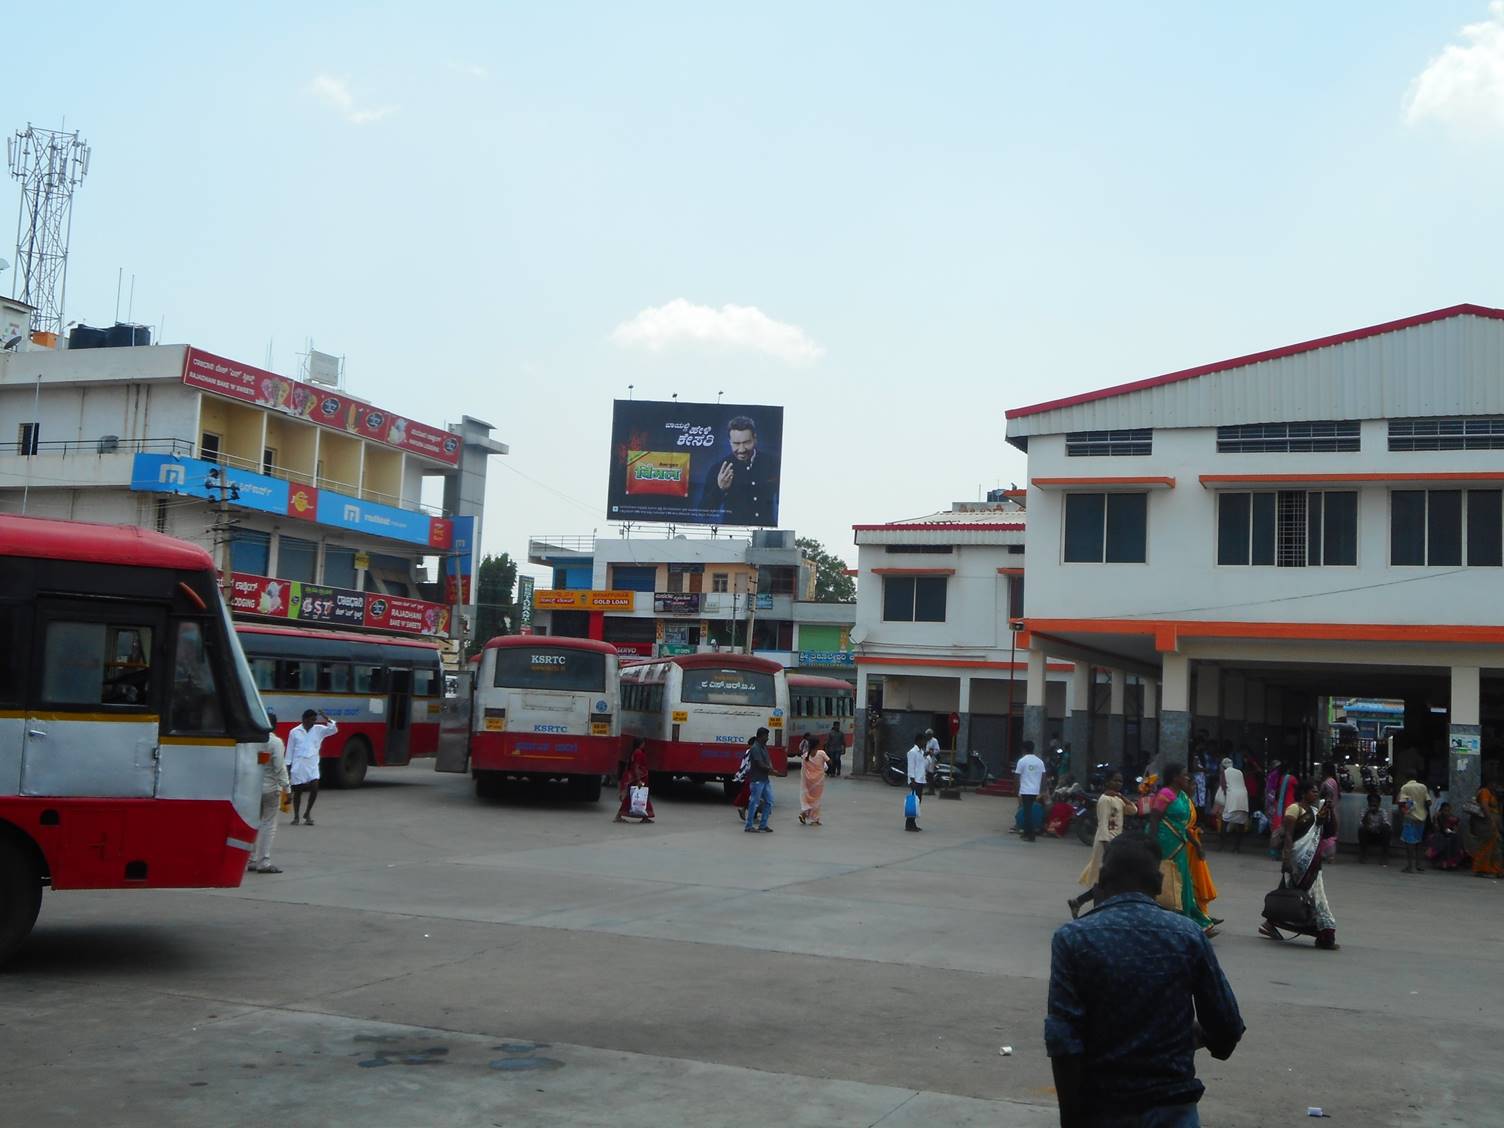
(1465, 310)
(501, 642)
(49, 539)
(815, 681)
(335, 636)
(943, 527)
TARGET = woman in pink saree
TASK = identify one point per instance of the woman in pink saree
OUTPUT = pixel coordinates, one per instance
(811, 781)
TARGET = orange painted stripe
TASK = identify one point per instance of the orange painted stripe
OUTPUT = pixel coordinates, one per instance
(955, 663)
(1427, 476)
(913, 571)
(99, 718)
(1010, 571)
(200, 741)
(1046, 483)
(1167, 632)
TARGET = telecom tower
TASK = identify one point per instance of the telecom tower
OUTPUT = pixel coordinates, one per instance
(49, 164)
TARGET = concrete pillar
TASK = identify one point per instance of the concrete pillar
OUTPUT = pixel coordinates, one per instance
(1116, 719)
(1234, 713)
(1078, 719)
(1174, 712)
(963, 707)
(1208, 707)
(1148, 726)
(1464, 762)
(1034, 703)
(861, 743)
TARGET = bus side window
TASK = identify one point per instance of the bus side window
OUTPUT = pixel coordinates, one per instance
(295, 675)
(264, 670)
(195, 699)
(425, 682)
(13, 654)
(334, 677)
(97, 664)
(370, 679)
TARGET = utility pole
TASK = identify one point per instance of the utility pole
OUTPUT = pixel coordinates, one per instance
(751, 611)
(223, 527)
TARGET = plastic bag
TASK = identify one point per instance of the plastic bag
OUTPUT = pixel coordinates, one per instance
(911, 806)
(639, 802)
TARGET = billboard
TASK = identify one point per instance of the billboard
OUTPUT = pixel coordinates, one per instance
(270, 597)
(318, 405)
(695, 463)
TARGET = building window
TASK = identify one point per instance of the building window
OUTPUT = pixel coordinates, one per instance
(296, 559)
(720, 581)
(1288, 529)
(27, 435)
(1303, 437)
(1442, 528)
(268, 461)
(1479, 432)
(208, 446)
(1109, 528)
(250, 551)
(780, 580)
(1095, 444)
(914, 599)
(1015, 597)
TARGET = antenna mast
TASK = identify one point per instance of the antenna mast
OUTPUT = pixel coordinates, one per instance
(49, 164)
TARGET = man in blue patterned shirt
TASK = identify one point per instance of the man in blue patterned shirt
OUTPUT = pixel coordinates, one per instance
(1135, 990)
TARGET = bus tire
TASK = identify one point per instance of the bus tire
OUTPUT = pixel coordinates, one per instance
(20, 894)
(488, 785)
(585, 788)
(353, 763)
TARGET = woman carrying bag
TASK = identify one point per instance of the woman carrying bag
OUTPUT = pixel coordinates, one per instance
(634, 778)
(1299, 905)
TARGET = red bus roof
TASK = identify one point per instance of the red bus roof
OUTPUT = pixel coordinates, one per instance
(49, 539)
(501, 642)
(333, 636)
(716, 661)
(815, 681)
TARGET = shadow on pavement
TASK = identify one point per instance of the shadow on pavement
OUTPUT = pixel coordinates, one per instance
(69, 950)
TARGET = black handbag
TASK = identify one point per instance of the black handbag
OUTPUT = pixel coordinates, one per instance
(1288, 906)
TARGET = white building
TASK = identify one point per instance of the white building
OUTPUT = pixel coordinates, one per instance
(289, 483)
(1256, 534)
(936, 597)
(685, 594)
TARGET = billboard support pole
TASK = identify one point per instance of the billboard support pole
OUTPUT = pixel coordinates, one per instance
(751, 613)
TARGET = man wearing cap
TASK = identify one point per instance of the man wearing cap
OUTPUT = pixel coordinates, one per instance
(303, 745)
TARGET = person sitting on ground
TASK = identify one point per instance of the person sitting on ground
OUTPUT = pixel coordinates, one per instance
(1374, 830)
(1445, 850)
(1134, 991)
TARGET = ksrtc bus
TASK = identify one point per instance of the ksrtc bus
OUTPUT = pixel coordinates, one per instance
(698, 711)
(542, 708)
(817, 703)
(129, 723)
(384, 693)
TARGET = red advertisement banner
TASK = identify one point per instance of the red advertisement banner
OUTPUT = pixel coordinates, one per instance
(313, 603)
(319, 405)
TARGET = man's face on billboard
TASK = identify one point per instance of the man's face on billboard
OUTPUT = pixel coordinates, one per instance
(743, 443)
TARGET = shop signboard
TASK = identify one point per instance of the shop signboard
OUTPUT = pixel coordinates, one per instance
(695, 463)
(676, 602)
(269, 597)
(634, 649)
(321, 406)
(764, 601)
(826, 658)
(196, 477)
(525, 604)
(554, 599)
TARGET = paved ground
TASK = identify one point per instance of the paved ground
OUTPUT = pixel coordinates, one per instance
(431, 959)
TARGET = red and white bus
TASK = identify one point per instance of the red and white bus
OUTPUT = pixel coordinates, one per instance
(816, 703)
(384, 693)
(542, 708)
(128, 718)
(697, 712)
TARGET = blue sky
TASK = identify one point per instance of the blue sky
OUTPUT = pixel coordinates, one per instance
(921, 214)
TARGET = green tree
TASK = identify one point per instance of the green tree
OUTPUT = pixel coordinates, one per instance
(832, 584)
(494, 608)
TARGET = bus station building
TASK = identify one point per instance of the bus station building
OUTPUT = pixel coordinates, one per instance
(1254, 536)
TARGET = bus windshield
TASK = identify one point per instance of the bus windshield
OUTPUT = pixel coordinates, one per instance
(728, 687)
(550, 667)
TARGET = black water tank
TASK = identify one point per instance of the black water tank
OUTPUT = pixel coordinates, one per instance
(121, 336)
(86, 337)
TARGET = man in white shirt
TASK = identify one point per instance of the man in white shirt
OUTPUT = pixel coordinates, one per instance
(916, 778)
(931, 766)
(1030, 773)
(274, 784)
(303, 745)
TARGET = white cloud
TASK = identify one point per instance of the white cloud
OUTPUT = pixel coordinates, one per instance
(336, 92)
(732, 326)
(469, 70)
(1464, 85)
